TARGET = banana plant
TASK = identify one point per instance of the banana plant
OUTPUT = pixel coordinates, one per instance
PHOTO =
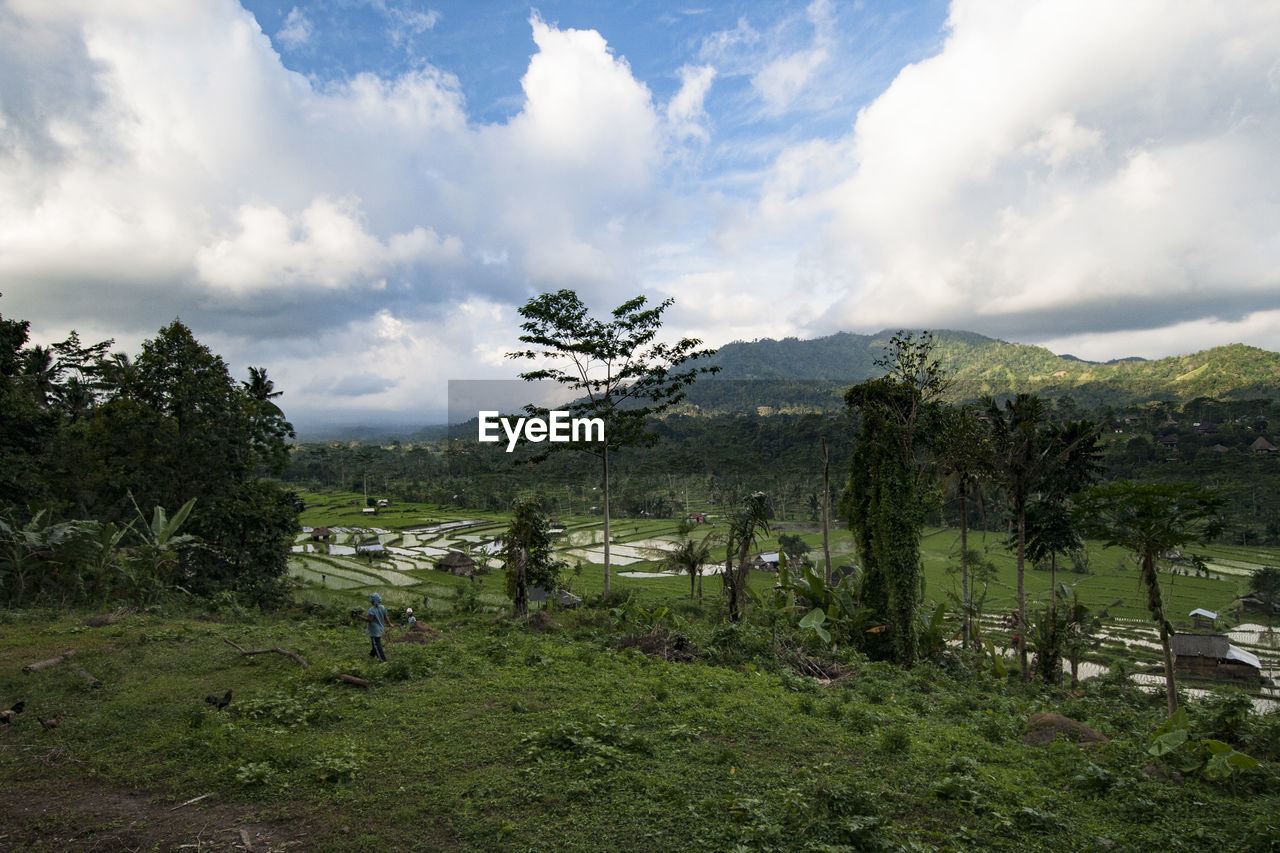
(150, 569)
(28, 554)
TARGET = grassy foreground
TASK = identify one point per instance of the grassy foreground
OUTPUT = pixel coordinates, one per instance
(554, 735)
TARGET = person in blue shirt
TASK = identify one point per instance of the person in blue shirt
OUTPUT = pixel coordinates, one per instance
(377, 622)
(409, 620)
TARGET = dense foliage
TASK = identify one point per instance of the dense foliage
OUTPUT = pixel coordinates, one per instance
(91, 443)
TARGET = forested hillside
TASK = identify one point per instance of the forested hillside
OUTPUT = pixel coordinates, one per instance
(794, 374)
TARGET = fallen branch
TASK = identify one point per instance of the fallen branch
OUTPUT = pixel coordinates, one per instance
(93, 682)
(45, 664)
(351, 679)
(244, 837)
(190, 801)
(277, 650)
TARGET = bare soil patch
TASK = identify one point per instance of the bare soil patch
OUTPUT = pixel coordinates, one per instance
(83, 816)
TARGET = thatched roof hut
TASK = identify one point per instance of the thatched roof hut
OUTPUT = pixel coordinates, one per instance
(456, 563)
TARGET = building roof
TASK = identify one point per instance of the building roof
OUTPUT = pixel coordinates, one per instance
(1238, 654)
(1212, 646)
(1200, 611)
(455, 558)
(1202, 645)
(1263, 445)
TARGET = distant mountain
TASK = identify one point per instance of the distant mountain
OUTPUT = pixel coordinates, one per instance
(795, 374)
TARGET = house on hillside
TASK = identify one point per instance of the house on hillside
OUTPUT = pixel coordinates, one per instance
(371, 548)
(1201, 618)
(696, 518)
(457, 563)
(1261, 445)
(1213, 656)
(766, 561)
(321, 534)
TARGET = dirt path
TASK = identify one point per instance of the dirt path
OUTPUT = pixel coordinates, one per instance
(86, 817)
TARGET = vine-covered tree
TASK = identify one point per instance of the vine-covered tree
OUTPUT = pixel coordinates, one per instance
(889, 493)
(528, 553)
(617, 370)
(1150, 519)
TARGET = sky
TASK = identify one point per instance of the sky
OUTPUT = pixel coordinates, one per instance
(358, 195)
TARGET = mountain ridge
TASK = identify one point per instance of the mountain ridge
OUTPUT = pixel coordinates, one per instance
(812, 373)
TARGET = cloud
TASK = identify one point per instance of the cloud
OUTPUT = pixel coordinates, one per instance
(1056, 158)
(296, 30)
(782, 79)
(361, 385)
(685, 110)
(324, 246)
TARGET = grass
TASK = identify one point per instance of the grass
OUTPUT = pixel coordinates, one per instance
(505, 737)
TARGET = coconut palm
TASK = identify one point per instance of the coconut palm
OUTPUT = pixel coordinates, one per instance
(690, 556)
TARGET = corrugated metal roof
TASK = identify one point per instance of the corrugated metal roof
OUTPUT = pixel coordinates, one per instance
(1238, 654)
(1200, 611)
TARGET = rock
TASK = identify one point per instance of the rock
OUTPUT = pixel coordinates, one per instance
(1045, 728)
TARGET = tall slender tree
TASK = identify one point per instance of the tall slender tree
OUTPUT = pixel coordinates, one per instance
(1037, 462)
(1150, 520)
(963, 452)
(618, 370)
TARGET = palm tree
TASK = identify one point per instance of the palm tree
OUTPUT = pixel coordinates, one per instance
(1150, 519)
(746, 524)
(964, 458)
(1033, 460)
(690, 556)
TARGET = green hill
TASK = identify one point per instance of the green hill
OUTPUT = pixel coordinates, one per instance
(812, 374)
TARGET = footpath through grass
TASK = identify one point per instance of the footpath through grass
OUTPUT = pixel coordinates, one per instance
(560, 734)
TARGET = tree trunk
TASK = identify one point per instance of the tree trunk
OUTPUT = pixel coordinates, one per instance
(964, 567)
(1022, 593)
(826, 511)
(1156, 604)
(521, 604)
(605, 457)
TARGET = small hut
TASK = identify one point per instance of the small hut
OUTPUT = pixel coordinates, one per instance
(371, 548)
(321, 534)
(457, 563)
(1212, 656)
(1261, 445)
(767, 561)
(1202, 619)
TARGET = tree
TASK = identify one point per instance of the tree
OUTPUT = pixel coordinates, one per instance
(1035, 460)
(528, 553)
(1265, 584)
(963, 452)
(689, 557)
(617, 370)
(889, 496)
(794, 547)
(1149, 520)
(747, 521)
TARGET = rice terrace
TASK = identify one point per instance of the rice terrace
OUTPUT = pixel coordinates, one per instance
(779, 426)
